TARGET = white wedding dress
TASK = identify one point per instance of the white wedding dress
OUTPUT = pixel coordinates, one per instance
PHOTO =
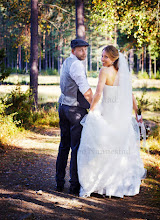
(108, 158)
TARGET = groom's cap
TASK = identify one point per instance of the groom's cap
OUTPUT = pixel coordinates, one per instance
(78, 43)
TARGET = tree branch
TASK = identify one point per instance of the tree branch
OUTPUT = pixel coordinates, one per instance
(55, 6)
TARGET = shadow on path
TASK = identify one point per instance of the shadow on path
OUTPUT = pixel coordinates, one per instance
(27, 183)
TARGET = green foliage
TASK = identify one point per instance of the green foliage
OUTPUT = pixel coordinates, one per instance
(136, 19)
(155, 133)
(22, 71)
(93, 74)
(8, 128)
(2, 109)
(54, 17)
(50, 72)
(142, 102)
(21, 104)
(127, 23)
(156, 105)
(143, 75)
(48, 105)
(4, 73)
(157, 75)
(47, 117)
(153, 141)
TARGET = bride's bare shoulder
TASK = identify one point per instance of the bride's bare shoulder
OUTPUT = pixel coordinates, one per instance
(106, 69)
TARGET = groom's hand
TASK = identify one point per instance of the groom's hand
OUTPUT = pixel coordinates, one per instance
(88, 95)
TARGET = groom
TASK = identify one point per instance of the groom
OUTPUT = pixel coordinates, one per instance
(75, 99)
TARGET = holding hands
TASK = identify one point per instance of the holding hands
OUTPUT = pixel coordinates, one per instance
(139, 118)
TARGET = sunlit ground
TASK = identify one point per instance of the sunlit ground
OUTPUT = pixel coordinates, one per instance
(63, 205)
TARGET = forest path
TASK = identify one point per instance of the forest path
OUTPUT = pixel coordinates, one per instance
(27, 187)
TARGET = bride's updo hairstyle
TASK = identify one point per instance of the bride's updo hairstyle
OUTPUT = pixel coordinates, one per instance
(113, 54)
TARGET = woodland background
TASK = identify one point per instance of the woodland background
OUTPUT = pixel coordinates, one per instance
(35, 39)
(132, 26)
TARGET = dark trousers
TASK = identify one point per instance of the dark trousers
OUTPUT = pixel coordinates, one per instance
(70, 117)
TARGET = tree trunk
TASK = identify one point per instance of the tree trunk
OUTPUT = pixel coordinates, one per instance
(60, 54)
(63, 48)
(131, 60)
(145, 58)
(12, 59)
(44, 49)
(155, 70)
(52, 53)
(97, 64)
(26, 53)
(58, 64)
(26, 62)
(34, 51)
(142, 60)
(40, 61)
(49, 53)
(86, 63)
(90, 56)
(52, 59)
(26, 67)
(46, 54)
(80, 28)
(40, 54)
(17, 61)
(115, 35)
(19, 58)
(8, 55)
(150, 65)
(49, 59)
(137, 64)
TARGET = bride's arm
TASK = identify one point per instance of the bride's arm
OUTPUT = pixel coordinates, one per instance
(135, 107)
(100, 86)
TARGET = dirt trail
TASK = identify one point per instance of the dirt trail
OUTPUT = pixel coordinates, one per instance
(27, 187)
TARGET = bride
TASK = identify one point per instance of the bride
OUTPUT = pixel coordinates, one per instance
(108, 158)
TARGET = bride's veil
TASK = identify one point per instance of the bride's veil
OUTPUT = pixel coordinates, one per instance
(125, 104)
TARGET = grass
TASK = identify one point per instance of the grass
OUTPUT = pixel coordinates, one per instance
(23, 79)
(153, 142)
(152, 164)
(8, 130)
(47, 117)
(152, 110)
(145, 75)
